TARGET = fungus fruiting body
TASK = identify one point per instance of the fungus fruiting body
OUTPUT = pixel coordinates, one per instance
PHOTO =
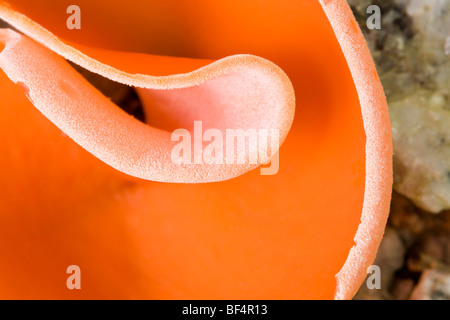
(84, 183)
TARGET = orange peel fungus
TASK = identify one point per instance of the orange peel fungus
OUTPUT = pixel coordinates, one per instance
(69, 193)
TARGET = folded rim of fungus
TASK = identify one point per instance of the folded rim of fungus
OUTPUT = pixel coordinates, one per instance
(379, 150)
(262, 98)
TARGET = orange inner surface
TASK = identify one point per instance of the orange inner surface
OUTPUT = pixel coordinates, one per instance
(253, 237)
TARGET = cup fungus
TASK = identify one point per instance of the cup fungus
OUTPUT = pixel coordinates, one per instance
(69, 193)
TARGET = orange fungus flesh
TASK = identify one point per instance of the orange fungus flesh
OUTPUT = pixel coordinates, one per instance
(283, 236)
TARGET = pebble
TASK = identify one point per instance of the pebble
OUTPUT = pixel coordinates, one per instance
(433, 285)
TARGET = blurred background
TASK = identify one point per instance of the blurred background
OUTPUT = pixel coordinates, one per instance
(412, 54)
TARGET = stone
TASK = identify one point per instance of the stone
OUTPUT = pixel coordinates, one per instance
(433, 285)
(411, 54)
(390, 258)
